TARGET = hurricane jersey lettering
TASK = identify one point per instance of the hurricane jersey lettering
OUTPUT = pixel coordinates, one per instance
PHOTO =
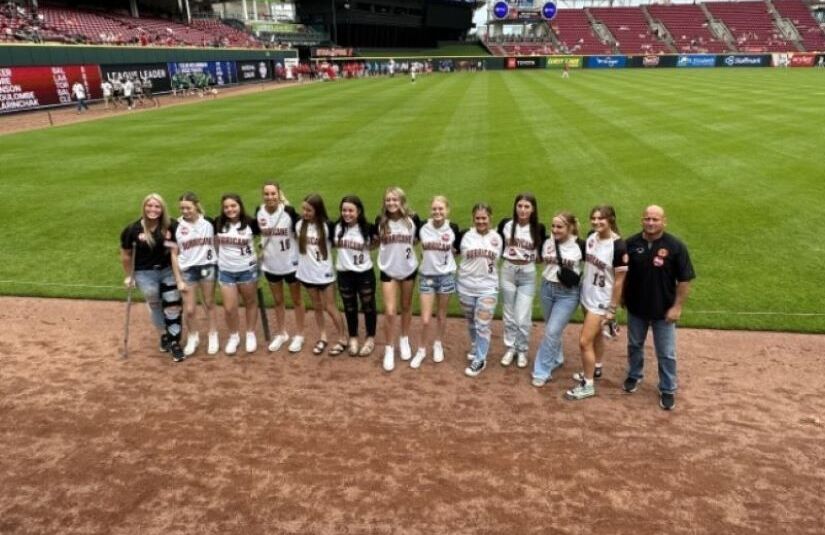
(396, 256)
(520, 246)
(196, 242)
(571, 254)
(437, 247)
(236, 248)
(280, 246)
(313, 268)
(353, 249)
(477, 272)
(602, 260)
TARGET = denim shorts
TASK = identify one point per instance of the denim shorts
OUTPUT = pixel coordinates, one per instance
(437, 284)
(196, 274)
(238, 277)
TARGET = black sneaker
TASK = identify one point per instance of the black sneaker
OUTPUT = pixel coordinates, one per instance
(164, 343)
(177, 352)
(475, 368)
(667, 401)
(631, 384)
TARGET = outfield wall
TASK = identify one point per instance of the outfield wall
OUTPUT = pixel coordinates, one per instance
(40, 76)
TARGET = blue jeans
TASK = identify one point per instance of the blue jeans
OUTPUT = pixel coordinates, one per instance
(664, 341)
(558, 304)
(479, 310)
(518, 285)
(161, 293)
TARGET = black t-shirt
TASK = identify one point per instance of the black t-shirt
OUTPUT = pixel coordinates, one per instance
(157, 257)
(653, 272)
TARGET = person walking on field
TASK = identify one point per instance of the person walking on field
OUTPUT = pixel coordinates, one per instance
(656, 287)
(79, 93)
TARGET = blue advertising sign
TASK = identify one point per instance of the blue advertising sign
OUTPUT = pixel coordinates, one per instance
(698, 60)
(606, 62)
(548, 10)
(500, 10)
(734, 60)
(217, 72)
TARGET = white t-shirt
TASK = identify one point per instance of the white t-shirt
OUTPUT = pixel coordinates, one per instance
(236, 248)
(128, 86)
(396, 256)
(571, 254)
(107, 89)
(79, 91)
(280, 246)
(603, 259)
(313, 268)
(478, 271)
(196, 242)
(353, 250)
(437, 246)
(520, 246)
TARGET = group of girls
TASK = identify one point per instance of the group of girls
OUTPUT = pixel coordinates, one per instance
(171, 261)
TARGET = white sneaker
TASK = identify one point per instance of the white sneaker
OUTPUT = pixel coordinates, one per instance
(232, 344)
(278, 342)
(438, 352)
(507, 359)
(251, 342)
(389, 359)
(192, 342)
(419, 357)
(214, 345)
(404, 346)
(296, 345)
(521, 359)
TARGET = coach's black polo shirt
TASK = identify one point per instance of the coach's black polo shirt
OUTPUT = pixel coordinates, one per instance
(156, 257)
(653, 272)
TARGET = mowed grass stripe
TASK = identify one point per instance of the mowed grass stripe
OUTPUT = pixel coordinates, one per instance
(732, 154)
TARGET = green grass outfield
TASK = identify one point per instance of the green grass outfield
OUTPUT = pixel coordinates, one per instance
(735, 156)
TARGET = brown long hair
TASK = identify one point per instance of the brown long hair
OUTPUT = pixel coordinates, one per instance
(609, 213)
(534, 218)
(320, 222)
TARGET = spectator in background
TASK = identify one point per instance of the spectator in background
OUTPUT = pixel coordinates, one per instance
(128, 88)
(79, 92)
(108, 92)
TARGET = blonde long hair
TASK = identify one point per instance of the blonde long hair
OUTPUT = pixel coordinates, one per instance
(164, 224)
(405, 211)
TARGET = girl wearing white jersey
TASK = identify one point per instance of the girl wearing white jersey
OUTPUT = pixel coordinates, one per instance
(195, 265)
(398, 265)
(523, 237)
(559, 295)
(439, 241)
(277, 219)
(237, 269)
(315, 270)
(356, 279)
(480, 249)
(601, 291)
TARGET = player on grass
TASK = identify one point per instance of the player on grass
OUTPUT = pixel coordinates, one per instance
(276, 219)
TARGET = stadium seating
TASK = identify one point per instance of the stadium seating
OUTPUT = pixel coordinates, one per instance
(688, 27)
(573, 29)
(630, 29)
(813, 39)
(751, 25)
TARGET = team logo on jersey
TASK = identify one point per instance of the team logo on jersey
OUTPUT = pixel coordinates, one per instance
(262, 222)
(494, 242)
(658, 261)
(662, 252)
(184, 231)
(142, 236)
(511, 251)
(445, 237)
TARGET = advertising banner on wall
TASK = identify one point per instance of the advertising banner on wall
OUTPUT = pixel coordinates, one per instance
(254, 71)
(27, 88)
(557, 62)
(606, 62)
(696, 61)
(738, 60)
(523, 63)
(157, 72)
(217, 72)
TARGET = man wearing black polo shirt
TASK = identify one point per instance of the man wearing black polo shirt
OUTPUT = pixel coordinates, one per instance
(656, 286)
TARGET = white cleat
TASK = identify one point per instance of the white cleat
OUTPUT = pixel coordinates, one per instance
(278, 342)
(192, 342)
(214, 345)
(419, 357)
(404, 347)
(389, 359)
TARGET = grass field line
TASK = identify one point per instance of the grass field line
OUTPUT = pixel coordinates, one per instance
(706, 312)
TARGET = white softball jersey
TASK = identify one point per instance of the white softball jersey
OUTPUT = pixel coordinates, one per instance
(437, 247)
(571, 254)
(602, 260)
(280, 246)
(196, 242)
(353, 250)
(520, 246)
(478, 270)
(236, 247)
(313, 268)
(396, 256)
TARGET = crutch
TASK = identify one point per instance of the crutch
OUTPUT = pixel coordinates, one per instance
(129, 291)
